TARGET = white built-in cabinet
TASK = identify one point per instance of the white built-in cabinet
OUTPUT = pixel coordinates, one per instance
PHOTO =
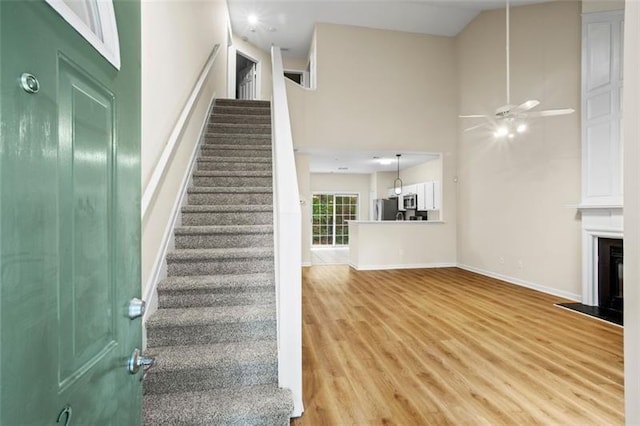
(602, 78)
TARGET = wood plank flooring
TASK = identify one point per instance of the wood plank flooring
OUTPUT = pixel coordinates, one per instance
(446, 346)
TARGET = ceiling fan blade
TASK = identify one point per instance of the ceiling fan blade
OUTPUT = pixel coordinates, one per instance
(550, 112)
(477, 126)
(525, 106)
(473, 116)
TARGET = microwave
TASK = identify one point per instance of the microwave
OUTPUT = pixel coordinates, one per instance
(410, 202)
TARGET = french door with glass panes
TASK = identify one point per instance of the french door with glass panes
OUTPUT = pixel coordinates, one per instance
(330, 215)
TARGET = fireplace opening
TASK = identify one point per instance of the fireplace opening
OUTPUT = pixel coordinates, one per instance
(610, 274)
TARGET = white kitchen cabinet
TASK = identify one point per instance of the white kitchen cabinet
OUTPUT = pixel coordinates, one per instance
(429, 196)
(410, 189)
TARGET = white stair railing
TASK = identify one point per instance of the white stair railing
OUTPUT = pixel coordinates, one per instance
(288, 244)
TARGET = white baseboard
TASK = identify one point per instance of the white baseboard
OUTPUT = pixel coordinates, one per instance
(402, 266)
(522, 283)
(159, 270)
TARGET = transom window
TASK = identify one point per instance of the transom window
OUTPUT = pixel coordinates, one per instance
(95, 21)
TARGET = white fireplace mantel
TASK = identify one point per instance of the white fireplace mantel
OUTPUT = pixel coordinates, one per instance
(597, 222)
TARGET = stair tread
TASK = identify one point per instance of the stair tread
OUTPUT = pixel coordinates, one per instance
(236, 125)
(195, 316)
(215, 282)
(224, 229)
(220, 253)
(219, 159)
(238, 405)
(228, 208)
(218, 355)
(239, 135)
(232, 173)
(229, 189)
(217, 147)
(231, 101)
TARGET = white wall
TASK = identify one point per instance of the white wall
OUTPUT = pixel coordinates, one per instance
(427, 171)
(513, 196)
(391, 245)
(632, 213)
(304, 187)
(590, 6)
(177, 39)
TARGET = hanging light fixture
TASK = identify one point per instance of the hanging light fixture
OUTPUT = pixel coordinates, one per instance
(397, 184)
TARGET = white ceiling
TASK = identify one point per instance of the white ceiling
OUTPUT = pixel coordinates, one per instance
(322, 161)
(289, 23)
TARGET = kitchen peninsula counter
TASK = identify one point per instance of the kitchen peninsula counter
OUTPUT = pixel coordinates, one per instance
(401, 244)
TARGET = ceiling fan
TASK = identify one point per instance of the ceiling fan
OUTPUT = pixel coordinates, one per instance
(511, 119)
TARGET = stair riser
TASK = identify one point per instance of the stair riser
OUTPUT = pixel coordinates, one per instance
(218, 266)
(247, 129)
(226, 181)
(213, 333)
(200, 300)
(212, 378)
(241, 111)
(223, 241)
(241, 119)
(225, 166)
(210, 151)
(216, 199)
(204, 219)
(265, 140)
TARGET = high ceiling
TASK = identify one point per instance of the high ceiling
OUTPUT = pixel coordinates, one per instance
(289, 23)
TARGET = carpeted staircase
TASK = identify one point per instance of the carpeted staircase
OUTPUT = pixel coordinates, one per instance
(214, 334)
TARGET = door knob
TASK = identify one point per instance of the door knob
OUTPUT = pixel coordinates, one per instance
(29, 83)
(136, 360)
(136, 308)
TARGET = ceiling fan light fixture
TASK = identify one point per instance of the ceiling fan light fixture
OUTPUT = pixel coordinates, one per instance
(501, 132)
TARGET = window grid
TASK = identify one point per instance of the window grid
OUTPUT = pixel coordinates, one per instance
(330, 215)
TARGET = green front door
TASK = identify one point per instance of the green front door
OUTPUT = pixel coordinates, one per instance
(69, 220)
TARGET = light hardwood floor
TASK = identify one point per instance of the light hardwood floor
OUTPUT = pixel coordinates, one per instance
(446, 346)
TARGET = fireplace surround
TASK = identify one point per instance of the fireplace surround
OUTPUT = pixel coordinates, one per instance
(598, 222)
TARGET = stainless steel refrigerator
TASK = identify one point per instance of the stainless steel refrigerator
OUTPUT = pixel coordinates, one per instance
(385, 209)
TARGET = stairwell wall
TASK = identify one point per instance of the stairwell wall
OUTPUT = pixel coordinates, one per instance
(177, 39)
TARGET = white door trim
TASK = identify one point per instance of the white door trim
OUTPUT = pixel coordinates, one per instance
(231, 81)
(109, 46)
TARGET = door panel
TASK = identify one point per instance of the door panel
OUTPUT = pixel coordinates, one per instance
(87, 293)
(69, 220)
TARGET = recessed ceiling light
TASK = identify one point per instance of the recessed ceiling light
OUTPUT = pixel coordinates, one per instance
(253, 19)
(385, 161)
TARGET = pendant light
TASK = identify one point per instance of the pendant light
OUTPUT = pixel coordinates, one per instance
(397, 184)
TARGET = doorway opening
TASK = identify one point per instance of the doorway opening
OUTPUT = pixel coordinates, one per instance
(246, 77)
